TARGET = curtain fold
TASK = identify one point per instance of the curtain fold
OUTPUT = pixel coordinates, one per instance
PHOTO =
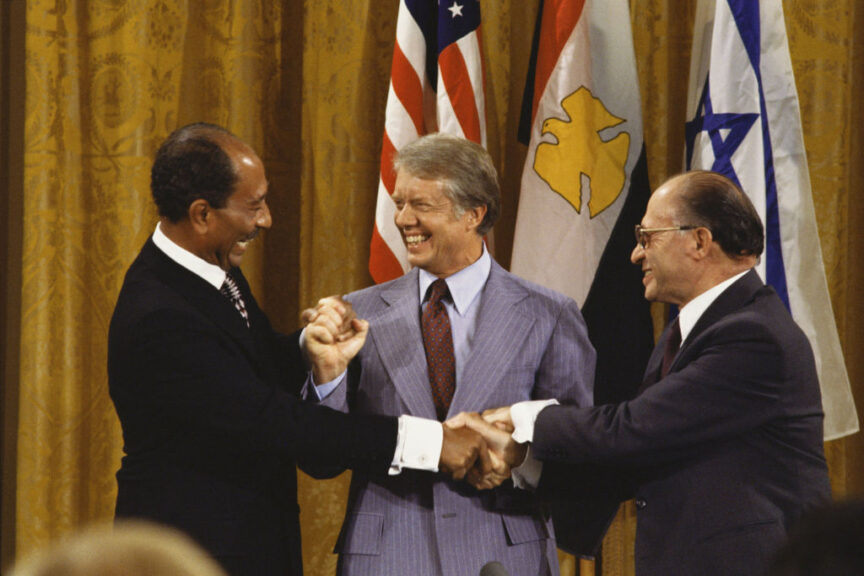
(305, 85)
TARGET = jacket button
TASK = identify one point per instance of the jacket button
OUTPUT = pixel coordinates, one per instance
(640, 504)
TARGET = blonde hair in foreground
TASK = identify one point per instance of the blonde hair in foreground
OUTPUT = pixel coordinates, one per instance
(131, 548)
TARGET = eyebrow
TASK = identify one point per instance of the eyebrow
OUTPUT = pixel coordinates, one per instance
(263, 196)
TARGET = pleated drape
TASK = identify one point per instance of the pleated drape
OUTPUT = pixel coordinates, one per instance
(305, 84)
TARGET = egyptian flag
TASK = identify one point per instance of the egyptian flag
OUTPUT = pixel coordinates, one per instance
(436, 84)
(744, 122)
(585, 182)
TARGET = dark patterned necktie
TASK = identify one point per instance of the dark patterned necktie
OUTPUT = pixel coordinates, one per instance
(438, 342)
(232, 292)
(673, 342)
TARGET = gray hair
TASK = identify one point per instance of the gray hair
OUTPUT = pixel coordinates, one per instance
(464, 169)
(129, 548)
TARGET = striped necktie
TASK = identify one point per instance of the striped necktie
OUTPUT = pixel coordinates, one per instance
(232, 292)
(438, 342)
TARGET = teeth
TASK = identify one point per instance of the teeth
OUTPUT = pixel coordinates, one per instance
(416, 239)
(243, 244)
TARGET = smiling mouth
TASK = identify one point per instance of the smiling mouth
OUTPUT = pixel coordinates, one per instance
(245, 242)
(415, 240)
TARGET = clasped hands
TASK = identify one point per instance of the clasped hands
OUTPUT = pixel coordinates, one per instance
(477, 448)
(480, 448)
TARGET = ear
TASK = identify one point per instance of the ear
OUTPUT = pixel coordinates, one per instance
(704, 242)
(200, 215)
(475, 216)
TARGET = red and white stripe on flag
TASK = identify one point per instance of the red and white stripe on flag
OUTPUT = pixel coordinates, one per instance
(436, 84)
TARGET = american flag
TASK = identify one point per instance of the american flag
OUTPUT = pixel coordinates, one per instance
(436, 84)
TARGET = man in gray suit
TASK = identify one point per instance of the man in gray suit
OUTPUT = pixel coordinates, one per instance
(457, 333)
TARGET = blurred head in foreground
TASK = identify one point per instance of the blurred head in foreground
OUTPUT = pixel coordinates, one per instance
(122, 549)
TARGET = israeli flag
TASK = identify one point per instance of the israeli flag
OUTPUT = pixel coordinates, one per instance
(744, 122)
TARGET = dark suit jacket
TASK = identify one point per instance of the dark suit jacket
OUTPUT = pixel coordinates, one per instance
(723, 454)
(211, 424)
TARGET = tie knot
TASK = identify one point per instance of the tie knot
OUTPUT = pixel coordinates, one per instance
(437, 290)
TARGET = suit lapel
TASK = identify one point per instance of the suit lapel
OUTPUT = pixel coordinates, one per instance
(202, 296)
(399, 342)
(502, 327)
(652, 370)
(731, 299)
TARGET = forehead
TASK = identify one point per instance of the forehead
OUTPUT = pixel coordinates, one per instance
(662, 205)
(410, 186)
(251, 178)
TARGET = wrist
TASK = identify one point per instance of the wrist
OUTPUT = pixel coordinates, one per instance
(323, 373)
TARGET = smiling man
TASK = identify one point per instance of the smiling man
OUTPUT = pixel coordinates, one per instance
(722, 446)
(455, 333)
(207, 393)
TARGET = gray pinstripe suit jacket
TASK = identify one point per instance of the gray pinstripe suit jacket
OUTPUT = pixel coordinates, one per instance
(529, 343)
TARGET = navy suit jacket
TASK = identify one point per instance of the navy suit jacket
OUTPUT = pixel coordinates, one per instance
(211, 421)
(722, 455)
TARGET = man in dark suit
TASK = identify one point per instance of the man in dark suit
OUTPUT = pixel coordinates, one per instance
(206, 392)
(722, 447)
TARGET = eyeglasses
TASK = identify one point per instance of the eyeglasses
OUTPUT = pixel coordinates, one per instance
(643, 235)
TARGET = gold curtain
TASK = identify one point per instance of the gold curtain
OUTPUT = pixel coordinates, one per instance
(305, 84)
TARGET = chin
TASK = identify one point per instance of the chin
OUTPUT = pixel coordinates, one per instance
(415, 262)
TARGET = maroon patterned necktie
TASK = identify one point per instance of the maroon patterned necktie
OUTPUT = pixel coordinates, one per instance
(232, 292)
(673, 342)
(438, 342)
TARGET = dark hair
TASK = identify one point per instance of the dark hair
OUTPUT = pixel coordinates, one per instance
(189, 165)
(711, 200)
(463, 167)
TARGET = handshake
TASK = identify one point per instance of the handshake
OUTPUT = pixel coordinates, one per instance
(477, 448)
(480, 449)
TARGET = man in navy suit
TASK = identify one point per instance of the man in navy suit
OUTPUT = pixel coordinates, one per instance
(207, 393)
(722, 447)
(507, 339)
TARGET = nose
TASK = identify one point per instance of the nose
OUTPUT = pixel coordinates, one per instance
(638, 254)
(265, 220)
(404, 216)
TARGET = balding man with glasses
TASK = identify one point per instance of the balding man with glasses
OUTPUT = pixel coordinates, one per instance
(722, 447)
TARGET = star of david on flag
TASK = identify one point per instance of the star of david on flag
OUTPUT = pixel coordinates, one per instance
(744, 122)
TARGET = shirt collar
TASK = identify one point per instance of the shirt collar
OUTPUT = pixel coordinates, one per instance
(211, 273)
(693, 310)
(465, 284)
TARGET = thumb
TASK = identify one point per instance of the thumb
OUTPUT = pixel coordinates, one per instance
(457, 421)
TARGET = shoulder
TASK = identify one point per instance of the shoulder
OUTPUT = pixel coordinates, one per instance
(762, 326)
(535, 294)
(147, 302)
(373, 296)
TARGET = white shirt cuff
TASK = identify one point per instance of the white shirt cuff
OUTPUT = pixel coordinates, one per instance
(524, 415)
(527, 474)
(418, 445)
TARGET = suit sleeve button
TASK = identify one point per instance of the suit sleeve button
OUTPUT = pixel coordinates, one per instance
(641, 504)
